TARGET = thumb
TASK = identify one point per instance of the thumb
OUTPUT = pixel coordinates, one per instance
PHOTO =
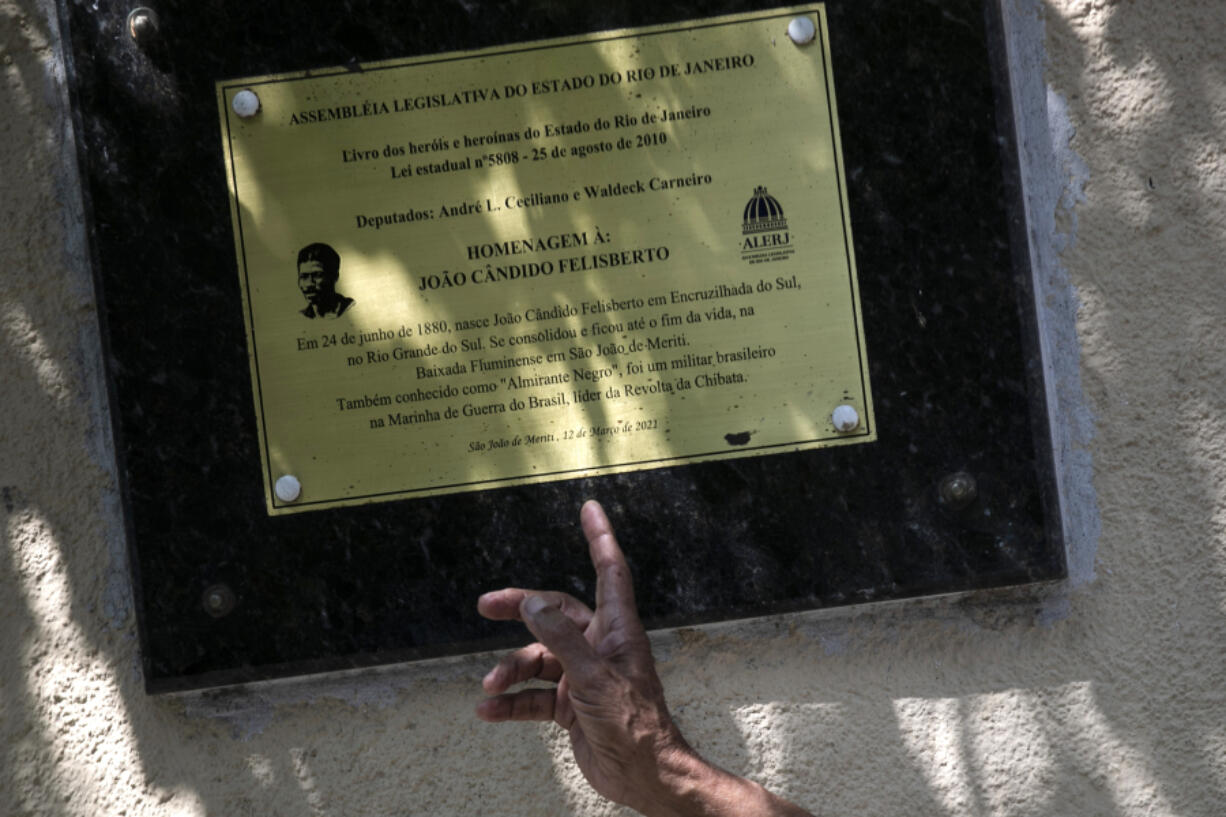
(563, 638)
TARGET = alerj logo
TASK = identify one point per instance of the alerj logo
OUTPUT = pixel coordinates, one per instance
(764, 230)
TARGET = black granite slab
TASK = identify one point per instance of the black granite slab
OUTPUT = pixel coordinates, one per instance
(948, 315)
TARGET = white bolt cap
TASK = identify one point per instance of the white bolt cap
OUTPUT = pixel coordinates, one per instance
(288, 488)
(802, 30)
(245, 103)
(845, 418)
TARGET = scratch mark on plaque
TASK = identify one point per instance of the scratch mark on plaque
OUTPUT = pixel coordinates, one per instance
(741, 438)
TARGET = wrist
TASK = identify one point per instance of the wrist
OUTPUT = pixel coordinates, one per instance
(684, 780)
(692, 787)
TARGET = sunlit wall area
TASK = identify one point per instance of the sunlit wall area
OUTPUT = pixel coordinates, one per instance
(1101, 697)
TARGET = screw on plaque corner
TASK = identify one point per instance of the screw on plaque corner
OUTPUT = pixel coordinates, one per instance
(246, 103)
(801, 30)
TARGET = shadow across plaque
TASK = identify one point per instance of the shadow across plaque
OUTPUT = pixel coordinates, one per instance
(956, 494)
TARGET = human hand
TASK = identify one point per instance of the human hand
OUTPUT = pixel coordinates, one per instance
(608, 695)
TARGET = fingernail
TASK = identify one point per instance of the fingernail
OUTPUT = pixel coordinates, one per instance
(534, 605)
(489, 677)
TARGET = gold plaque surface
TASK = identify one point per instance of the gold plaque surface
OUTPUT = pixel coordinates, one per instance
(607, 253)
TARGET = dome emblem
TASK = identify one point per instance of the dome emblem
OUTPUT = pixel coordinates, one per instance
(764, 230)
(763, 213)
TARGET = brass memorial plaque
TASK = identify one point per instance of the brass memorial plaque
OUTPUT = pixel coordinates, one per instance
(558, 259)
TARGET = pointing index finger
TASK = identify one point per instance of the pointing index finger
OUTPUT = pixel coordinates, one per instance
(614, 590)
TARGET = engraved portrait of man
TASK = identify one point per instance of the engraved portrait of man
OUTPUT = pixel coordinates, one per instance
(319, 267)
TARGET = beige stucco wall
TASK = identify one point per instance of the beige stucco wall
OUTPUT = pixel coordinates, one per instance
(1106, 698)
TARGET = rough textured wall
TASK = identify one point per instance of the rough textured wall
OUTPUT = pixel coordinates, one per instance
(1105, 699)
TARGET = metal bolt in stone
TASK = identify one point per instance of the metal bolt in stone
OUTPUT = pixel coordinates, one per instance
(802, 31)
(287, 488)
(142, 24)
(245, 103)
(218, 600)
(845, 418)
(958, 490)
